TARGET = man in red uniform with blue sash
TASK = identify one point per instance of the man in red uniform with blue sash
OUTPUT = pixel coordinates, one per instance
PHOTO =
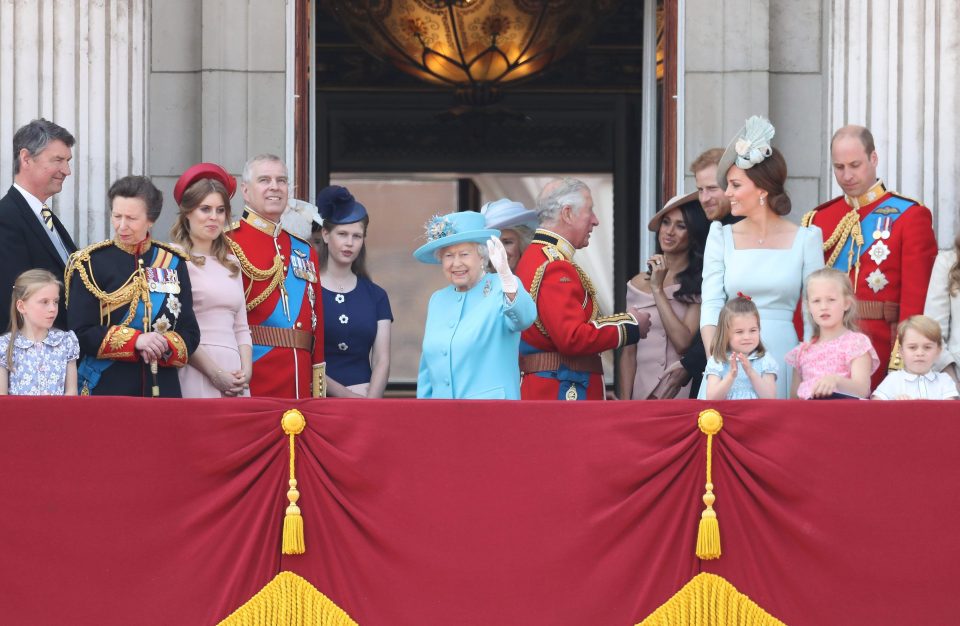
(884, 241)
(281, 282)
(560, 353)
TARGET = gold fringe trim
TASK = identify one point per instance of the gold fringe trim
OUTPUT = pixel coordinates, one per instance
(290, 600)
(708, 533)
(293, 424)
(709, 600)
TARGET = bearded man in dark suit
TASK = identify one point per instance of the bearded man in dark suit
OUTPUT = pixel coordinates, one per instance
(31, 235)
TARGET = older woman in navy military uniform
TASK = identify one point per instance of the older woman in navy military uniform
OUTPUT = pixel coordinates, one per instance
(129, 302)
(471, 342)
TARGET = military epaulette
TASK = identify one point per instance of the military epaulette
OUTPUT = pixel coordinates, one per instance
(552, 254)
(76, 261)
(83, 254)
(807, 218)
(907, 198)
(169, 247)
(297, 237)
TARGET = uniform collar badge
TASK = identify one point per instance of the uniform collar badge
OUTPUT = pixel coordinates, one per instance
(872, 194)
(261, 223)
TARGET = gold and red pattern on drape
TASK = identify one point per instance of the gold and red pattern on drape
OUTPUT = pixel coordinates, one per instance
(126, 510)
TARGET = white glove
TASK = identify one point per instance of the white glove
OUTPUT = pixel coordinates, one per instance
(498, 259)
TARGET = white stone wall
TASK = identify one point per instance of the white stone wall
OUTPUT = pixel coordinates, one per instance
(218, 85)
(81, 64)
(895, 67)
(756, 57)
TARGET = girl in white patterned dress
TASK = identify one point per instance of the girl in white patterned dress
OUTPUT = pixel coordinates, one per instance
(37, 359)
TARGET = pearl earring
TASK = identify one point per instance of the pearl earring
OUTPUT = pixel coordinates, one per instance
(763, 200)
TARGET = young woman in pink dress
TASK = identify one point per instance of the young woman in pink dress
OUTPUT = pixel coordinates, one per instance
(223, 364)
(670, 293)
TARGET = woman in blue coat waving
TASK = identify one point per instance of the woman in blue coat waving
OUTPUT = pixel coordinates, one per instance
(471, 341)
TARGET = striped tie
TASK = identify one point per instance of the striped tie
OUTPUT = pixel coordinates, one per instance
(47, 216)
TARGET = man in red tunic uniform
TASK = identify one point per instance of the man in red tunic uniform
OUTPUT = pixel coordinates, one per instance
(885, 243)
(560, 353)
(281, 281)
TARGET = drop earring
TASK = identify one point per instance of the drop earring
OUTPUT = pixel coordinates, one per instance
(763, 200)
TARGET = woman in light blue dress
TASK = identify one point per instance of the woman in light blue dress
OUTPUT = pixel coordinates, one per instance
(764, 256)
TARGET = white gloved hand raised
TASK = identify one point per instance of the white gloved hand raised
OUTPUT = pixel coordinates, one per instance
(498, 259)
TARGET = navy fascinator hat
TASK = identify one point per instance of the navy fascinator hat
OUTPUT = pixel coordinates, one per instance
(337, 205)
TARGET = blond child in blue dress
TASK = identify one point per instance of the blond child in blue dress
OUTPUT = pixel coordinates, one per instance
(35, 358)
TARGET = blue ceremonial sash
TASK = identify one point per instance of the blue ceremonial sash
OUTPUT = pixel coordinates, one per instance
(296, 286)
(563, 374)
(91, 368)
(901, 204)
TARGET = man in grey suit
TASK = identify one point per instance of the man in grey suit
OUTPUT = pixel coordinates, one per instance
(31, 236)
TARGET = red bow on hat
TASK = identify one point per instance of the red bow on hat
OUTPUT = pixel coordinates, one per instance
(740, 294)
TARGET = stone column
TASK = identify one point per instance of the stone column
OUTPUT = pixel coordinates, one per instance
(82, 65)
(757, 57)
(895, 68)
(219, 87)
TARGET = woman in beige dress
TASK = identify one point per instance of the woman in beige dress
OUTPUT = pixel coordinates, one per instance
(670, 293)
(223, 364)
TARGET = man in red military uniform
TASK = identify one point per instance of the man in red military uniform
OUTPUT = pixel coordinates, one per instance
(885, 243)
(281, 281)
(560, 353)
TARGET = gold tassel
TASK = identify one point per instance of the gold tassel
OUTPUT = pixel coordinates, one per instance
(293, 424)
(857, 234)
(896, 361)
(708, 534)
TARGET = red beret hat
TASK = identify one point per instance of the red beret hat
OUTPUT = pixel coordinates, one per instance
(204, 170)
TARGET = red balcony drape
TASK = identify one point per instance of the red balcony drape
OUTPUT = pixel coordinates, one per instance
(122, 511)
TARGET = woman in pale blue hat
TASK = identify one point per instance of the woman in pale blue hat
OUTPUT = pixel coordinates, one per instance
(471, 341)
(516, 224)
(356, 311)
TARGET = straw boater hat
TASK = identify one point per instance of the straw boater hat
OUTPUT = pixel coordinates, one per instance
(201, 171)
(336, 205)
(451, 229)
(505, 213)
(674, 203)
(751, 145)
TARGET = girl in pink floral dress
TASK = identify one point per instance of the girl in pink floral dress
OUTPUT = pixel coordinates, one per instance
(838, 360)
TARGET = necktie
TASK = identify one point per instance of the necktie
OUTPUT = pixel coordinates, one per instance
(47, 216)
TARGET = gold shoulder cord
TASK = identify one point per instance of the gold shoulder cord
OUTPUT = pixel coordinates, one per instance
(274, 274)
(591, 290)
(126, 295)
(584, 279)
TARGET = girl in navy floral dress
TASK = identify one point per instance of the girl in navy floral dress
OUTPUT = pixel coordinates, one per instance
(37, 359)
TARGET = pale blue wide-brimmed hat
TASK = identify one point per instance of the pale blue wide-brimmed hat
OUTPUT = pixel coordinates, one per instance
(507, 213)
(451, 229)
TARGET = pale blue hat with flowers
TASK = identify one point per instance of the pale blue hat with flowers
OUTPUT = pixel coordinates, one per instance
(451, 229)
(507, 213)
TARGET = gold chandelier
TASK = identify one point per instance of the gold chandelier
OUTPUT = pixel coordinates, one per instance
(475, 46)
